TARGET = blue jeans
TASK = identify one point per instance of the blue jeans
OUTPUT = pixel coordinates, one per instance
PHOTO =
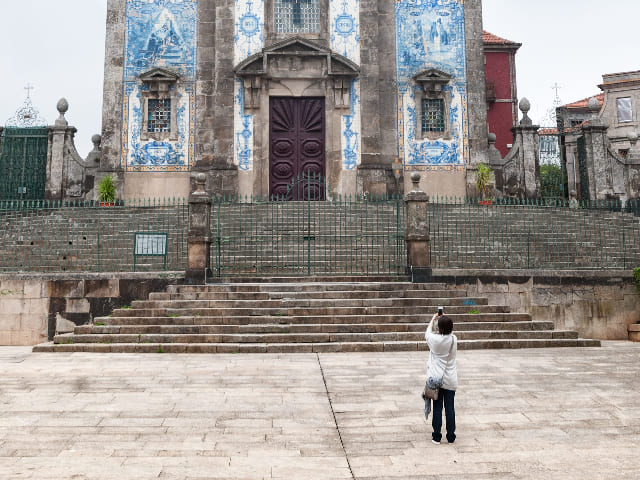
(445, 397)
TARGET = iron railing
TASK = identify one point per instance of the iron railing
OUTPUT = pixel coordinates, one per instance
(53, 236)
(533, 234)
(345, 235)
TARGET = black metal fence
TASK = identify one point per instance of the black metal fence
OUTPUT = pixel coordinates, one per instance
(347, 235)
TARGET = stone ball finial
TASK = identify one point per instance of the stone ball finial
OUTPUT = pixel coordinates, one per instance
(633, 137)
(492, 137)
(62, 106)
(415, 178)
(594, 105)
(525, 106)
(96, 140)
(200, 179)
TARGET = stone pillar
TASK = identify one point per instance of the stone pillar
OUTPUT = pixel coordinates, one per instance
(596, 145)
(417, 232)
(495, 161)
(55, 158)
(527, 135)
(199, 239)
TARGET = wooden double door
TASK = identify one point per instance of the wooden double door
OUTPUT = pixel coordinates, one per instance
(297, 148)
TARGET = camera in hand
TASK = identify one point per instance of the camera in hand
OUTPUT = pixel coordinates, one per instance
(440, 311)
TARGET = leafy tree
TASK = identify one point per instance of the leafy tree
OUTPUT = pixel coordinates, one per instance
(552, 180)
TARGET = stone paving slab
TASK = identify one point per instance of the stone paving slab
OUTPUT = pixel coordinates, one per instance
(559, 413)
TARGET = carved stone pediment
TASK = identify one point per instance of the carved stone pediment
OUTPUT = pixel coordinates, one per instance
(296, 51)
(299, 59)
(432, 79)
(159, 75)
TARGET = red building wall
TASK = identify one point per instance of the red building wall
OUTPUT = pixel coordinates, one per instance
(502, 99)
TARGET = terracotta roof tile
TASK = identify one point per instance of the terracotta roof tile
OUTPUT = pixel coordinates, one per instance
(491, 39)
(584, 103)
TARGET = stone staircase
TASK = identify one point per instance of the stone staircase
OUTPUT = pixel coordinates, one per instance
(284, 315)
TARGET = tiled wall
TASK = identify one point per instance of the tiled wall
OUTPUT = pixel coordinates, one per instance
(431, 34)
(161, 34)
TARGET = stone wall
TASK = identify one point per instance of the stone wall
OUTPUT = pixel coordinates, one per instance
(598, 305)
(34, 307)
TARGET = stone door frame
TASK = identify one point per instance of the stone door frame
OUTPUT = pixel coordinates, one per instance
(297, 67)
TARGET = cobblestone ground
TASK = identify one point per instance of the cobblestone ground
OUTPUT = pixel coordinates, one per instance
(522, 414)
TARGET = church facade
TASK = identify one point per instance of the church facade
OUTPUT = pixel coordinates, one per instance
(255, 93)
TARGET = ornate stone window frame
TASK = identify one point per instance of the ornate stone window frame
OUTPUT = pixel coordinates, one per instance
(429, 85)
(159, 84)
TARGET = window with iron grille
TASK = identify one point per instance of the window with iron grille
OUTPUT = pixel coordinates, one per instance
(432, 115)
(159, 115)
(297, 16)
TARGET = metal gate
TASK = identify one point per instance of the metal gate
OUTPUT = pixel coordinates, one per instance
(553, 172)
(23, 163)
(277, 237)
(583, 193)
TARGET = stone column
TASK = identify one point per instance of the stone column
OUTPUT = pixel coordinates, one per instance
(55, 157)
(596, 145)
(199, 239)
(378, 95)
(417, 232)
(214, 98)
(526, 134)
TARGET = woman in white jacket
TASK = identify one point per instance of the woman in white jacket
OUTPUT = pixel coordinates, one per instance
(443, 347)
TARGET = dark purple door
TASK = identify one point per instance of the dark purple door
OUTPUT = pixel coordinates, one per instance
(297, 138)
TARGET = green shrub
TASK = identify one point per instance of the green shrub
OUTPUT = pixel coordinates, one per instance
(636, 277)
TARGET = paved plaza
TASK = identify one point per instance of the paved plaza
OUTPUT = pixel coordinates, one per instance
(569, 413)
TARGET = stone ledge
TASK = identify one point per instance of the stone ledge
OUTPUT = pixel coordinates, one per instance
(548, 277)
(634, 332)
(92, 276)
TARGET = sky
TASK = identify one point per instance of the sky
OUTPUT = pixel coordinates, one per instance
(57, 47)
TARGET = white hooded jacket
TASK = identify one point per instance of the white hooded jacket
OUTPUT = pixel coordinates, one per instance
(442, 358)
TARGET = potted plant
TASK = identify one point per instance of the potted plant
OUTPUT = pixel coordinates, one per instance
(107, 192)
(484, 180)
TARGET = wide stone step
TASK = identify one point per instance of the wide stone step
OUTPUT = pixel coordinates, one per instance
(296, 309)
(305, 337)
(303, 328)
(303, 319)
(298, 302)
(305, 347)
(428, 296)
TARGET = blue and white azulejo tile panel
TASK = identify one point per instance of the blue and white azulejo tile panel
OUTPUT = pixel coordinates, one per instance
(345, 40)
(345, 28)
(431, 34)
(249, 28)
(242, 130)
(248, 39)
(159, 34)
